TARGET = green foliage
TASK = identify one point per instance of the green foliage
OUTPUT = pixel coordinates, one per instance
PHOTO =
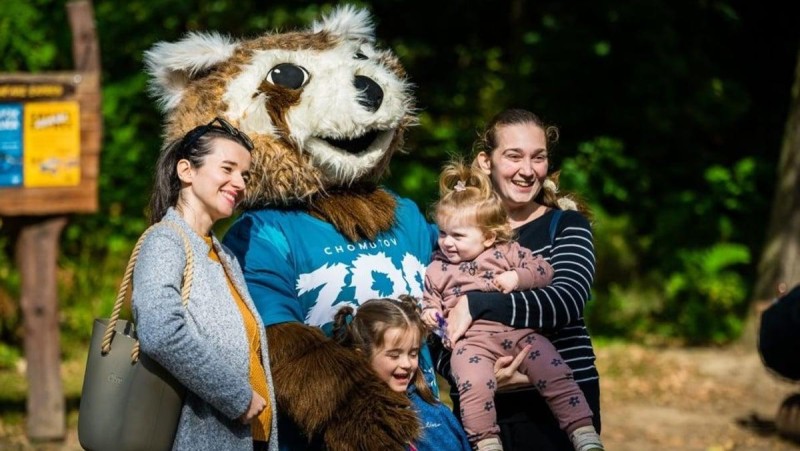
(26, 43)
(9, 355)
(598, 169)
(706, 297)
(697, 294)
(664, 132)
(702, 301)
(9, 293)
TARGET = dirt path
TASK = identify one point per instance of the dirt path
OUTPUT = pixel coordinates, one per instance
(718, 399)
(695, 399)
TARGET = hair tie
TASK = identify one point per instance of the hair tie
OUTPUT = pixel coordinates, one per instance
(348, 318)
(550, 185)
(460, 186)
(565, 203)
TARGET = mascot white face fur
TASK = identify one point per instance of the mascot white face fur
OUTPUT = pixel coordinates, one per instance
(326, 110)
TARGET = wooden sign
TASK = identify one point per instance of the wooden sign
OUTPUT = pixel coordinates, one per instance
(50, 133)
(52, 140)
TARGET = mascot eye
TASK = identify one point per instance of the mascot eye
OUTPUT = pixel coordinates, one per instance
(288, 75)
(360, 56)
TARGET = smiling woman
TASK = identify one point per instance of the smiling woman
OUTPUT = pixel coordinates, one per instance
(216, 187)
(477, 252)
(326, 108)
(215, 345)
(518, 165)
(513, 152)
(220, 153)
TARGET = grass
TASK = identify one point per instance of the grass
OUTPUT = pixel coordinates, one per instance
(13, 394)
(629, 370)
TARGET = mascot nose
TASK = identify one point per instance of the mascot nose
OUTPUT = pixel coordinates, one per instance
(371, 94)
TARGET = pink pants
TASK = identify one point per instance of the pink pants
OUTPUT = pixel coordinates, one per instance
(472, 364)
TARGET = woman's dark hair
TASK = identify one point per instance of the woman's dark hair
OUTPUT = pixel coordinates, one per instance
(167, 185)
(366, 329)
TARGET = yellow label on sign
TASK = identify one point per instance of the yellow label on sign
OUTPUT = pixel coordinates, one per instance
(52, 143)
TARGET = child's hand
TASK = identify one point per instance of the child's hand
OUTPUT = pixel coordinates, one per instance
(434, 320)
(429, 318)
(507, 281)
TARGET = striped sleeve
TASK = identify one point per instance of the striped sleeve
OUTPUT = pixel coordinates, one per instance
(562, 302)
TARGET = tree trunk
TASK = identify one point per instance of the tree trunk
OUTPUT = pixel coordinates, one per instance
(779, 267)
(780, 258)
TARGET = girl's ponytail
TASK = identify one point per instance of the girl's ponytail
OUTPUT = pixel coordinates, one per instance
(342, 330)
(466, 190)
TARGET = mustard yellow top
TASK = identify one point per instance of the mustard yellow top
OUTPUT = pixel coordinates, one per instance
(258, 377)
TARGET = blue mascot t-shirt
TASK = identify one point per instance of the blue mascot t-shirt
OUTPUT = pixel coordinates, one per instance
(300, 268)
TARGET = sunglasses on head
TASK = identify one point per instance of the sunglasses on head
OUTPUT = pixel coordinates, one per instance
(224, 126)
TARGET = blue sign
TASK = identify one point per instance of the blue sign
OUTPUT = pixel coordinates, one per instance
(10, 144)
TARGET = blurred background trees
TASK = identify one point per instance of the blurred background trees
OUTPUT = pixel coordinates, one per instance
(672, 116)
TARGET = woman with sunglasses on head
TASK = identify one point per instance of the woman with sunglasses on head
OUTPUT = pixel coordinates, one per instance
(215, 346)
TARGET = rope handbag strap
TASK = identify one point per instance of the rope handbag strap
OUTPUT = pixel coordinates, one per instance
(186, 285)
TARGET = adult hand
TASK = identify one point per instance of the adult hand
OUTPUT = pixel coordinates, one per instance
(458, 320)
(506, 370)
(257, 404)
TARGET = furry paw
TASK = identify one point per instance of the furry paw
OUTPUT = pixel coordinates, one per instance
(374, 418)
(331, 390)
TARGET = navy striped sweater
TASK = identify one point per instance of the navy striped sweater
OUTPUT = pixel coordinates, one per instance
(556, 311)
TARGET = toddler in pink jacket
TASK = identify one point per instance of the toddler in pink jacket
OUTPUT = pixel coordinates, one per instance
(477, 252)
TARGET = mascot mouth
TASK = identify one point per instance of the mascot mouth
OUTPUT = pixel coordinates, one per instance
(354, 145)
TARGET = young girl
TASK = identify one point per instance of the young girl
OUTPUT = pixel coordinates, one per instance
(477, 252)
(389, 332)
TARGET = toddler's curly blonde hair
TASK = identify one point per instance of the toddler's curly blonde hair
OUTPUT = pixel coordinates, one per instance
(466, 197)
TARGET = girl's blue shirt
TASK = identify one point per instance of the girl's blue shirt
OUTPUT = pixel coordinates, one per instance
(440, 429)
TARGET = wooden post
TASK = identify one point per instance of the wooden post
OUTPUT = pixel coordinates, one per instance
(37, 252)
(85, 50)
(39, 215)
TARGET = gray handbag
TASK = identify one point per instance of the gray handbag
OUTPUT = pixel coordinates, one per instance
(129, 402)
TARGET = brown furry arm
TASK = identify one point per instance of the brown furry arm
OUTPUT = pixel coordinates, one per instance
(329, 389)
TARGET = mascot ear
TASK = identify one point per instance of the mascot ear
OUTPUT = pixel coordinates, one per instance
(172, 65)
(347, 22)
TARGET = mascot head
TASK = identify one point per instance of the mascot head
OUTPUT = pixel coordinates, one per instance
(324, 107)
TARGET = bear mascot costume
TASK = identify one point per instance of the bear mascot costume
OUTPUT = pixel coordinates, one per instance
(326, 110)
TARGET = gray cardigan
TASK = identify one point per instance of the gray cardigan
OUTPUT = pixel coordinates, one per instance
(203, 345)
